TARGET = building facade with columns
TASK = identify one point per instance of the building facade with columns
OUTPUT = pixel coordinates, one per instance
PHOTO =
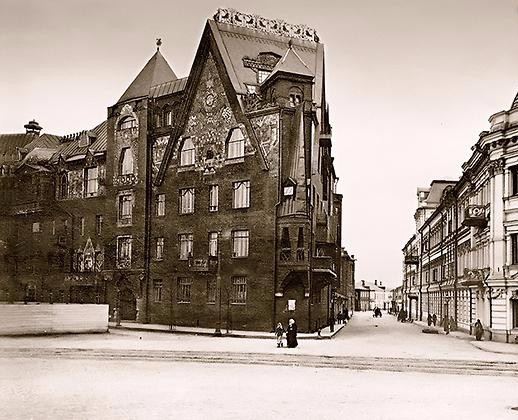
(208, 200)
(462, 262)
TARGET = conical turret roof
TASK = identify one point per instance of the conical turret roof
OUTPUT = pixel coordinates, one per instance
(155, 72)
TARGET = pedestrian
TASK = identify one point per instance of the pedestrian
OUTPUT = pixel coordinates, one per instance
(429, 319)
(434, 320)
(291, 335)
(446, 325)
(479, 330)
(279, 331)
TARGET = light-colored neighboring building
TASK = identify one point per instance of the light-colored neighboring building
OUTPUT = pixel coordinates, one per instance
(370, 295)
(462, 261)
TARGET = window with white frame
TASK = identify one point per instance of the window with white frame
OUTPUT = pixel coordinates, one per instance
(236, 144)
(240, 194)
(239, 290)
(183, 290)
(213, 198)
(124, 251)
(186, 241)
(98, 224)
(186, 198)
(157, 290)
(213, 244)
(82, 226)
(262, 75)
(187, 154)
(240, 243)
(36, 227)
(159, 255)
(125, 208)
(91, 181)
(160, 205)
(126, 162)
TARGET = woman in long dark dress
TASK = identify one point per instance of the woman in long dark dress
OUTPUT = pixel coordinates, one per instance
(291, 335)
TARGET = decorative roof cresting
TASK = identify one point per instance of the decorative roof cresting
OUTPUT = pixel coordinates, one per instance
(273, 26)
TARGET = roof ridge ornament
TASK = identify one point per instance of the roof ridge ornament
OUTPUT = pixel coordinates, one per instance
(273, 26)
(158, 44)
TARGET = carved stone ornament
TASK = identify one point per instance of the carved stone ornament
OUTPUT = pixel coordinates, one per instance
(254, 102)
(273, 26)
(496, 167)
(498, 293)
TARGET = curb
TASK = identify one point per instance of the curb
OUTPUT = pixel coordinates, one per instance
(229, 335)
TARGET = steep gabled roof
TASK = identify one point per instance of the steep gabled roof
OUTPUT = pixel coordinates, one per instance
(155, 72)
(514, 105)
(10, 143)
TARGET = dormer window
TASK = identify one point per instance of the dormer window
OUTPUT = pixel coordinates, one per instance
(168, 118)
(187, 154)
(236, 144)
(127, 122)
(126, 161)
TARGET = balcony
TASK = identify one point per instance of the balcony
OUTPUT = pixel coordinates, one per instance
(324, 265)
(206, 265)
(411, 259)
(475, 216)
(31, 207)
(125, 180)
(124, 262)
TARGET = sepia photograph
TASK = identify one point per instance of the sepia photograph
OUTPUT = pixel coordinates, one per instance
(259, 210)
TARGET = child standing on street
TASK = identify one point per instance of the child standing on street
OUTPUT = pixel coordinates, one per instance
(279, 331)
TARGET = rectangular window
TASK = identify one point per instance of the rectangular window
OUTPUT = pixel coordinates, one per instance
(514, 179)
(157, 290)
(53, 228)
(185, 245)
(159, 249)
(240, 242)
(183, 290)
(91, 181)
(434, 274)
(186, 204)
(168, 118)
(160, 205)
(36, 227)
(213, 244)
(514, 248)
(124, 252)
(211, 291)
(239, 290)
(241, 194)
(99, 224)
(125, 209)
(213, 198)
(82, 226)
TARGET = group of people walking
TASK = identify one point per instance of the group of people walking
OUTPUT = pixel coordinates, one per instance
(291, 334)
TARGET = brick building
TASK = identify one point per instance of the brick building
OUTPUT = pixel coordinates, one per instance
(204, 201)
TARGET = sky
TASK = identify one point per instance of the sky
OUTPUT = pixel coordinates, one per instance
(410, 84)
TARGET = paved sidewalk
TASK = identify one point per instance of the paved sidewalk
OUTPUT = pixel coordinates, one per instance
(135, 326)
(489, 346)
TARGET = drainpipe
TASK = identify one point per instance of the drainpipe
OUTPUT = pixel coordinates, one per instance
(275, 215)
(420, 265)
(147, 208)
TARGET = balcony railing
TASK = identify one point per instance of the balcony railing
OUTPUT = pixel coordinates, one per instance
(475, 216)
(411, 259)
(324, 263)
(209, 264)
(125, 180)
(124, 262)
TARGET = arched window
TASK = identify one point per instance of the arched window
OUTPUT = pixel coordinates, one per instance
(63, 185)
(127, 122)
(236, 144)
(295, 96)
(126, 161)
(187, 154)
(168, 118)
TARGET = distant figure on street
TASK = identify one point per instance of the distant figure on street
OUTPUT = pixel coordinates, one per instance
(429, 320)
(346, 314)
(339, 318)
(479, 330)
(279, 331)
(291, 335)
(434, 320)
(446, 325)
(453, 324)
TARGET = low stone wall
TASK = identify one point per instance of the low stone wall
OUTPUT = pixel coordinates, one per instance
(57, 318)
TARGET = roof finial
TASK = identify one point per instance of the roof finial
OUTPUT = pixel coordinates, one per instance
(158, 43)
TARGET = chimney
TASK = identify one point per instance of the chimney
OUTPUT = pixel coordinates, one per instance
(363, 282)
(380, 283)
(32, 127)
(375, 282)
